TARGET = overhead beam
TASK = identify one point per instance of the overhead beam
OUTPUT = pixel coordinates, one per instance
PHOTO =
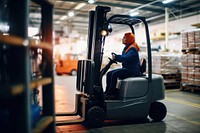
(159, 4)
(195, 6)
(174, 4)
(129, 6)
(112, 4)
(159, 18)
(62, 13)
(180, 8)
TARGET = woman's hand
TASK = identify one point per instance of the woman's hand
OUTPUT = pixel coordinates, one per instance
(113, 56)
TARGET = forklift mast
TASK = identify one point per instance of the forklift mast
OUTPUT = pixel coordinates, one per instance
(88, 73)
(97, 40)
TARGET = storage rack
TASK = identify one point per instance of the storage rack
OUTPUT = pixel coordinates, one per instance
(16, 91)
(191, 60)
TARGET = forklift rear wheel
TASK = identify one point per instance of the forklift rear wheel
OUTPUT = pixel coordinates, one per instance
(157, 111)
(95, 117)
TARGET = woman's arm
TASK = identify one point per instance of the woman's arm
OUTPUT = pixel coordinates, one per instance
(126, 57)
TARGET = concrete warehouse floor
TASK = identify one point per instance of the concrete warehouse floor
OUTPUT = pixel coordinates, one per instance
(182, 115)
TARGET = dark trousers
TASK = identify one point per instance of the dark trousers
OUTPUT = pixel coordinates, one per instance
(113, 75)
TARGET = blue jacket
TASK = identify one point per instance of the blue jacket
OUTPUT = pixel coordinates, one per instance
(130, 60)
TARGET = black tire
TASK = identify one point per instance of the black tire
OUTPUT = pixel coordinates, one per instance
(157, 111)
(95, 117)
(73, 72)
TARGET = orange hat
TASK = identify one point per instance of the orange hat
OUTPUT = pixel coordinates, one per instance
(130, 39)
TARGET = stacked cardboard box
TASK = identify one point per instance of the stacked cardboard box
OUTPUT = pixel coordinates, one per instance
(190, 59)
(168, 65)
(184, 40)
(190, 75)
(191, 39)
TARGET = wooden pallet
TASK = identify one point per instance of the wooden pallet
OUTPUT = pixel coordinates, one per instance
(191, 50)
(194, 51)
(175, 76)
(190, 87)
(172, 81)
(172, 85)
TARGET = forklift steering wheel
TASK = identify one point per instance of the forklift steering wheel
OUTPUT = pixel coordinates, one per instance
(112, 61)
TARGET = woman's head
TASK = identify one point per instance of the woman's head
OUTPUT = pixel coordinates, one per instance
(128, 38)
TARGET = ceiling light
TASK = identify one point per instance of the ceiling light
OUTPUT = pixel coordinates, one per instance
(167, 1)
(134, 14)
(91, 1)
(63, 17)
(79, 6)
(57, 22)
(71, 14)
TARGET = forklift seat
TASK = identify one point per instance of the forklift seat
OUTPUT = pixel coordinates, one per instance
(128, 87)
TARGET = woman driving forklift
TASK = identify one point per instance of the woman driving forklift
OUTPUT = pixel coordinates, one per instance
(130, 64)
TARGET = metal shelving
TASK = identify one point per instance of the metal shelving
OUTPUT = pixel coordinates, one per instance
(16, 90)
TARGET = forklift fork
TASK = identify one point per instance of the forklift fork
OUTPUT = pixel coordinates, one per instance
(79, 98)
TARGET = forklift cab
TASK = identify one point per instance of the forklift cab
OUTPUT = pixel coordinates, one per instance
(89, 79)
(138, 96)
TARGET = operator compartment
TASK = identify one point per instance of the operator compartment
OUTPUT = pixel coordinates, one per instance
(132, 87)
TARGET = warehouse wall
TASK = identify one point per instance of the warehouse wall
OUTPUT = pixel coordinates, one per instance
(178, 25)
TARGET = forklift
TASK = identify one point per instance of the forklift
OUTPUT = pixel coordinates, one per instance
(138, 97)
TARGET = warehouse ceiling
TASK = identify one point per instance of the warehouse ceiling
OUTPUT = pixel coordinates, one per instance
(153, 10)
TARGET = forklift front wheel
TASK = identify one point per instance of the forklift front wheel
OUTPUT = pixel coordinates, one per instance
(157, 111)
(95, 117)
